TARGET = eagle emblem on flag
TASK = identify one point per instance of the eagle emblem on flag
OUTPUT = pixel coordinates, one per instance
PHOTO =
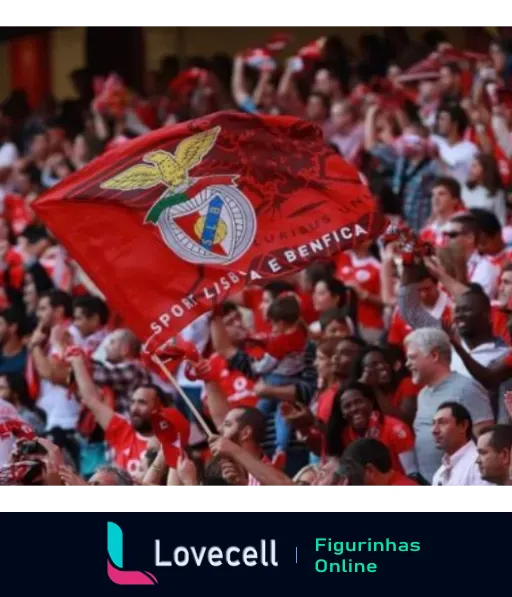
(205, 220)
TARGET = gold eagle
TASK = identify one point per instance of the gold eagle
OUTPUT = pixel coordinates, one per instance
(162, 167)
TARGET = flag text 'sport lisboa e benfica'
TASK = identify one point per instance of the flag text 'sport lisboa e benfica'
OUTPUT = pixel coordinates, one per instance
(171, 223)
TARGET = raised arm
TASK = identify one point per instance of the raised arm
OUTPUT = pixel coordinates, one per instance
(264, 473)
(56, 372)
(263, 80)
(220, 339)
(491, 376)
(287, 94)
(217, 403)
(370, 133)
(238, 89)
(89, 392)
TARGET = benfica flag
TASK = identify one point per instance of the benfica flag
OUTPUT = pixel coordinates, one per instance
(172, 222)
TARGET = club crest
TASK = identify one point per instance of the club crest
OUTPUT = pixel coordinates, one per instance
(203, 220)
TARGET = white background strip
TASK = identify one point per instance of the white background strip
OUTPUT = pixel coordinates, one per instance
(436, 495)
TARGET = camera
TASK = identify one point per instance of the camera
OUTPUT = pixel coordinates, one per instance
(30, 448)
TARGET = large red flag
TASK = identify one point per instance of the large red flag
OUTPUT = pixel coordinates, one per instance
(169, 224)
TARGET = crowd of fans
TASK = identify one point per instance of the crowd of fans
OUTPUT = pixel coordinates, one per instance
(369, 369)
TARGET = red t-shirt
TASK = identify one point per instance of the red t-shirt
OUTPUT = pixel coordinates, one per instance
(499, 320)
(307, 308)
(253, 296)
(406, 388)
(365, 272)
(283, 352)
(236, 387)
(507, 360)
(128, 445)
(400, 479)
(325, 401)
(279, 345)
(17, 213)
(393, 433)
(252, 300)
(15, 273)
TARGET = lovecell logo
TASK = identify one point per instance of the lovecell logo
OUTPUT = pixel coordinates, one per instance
(115, 561)
(264, 554)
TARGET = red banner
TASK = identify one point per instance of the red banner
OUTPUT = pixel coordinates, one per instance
(164, 247)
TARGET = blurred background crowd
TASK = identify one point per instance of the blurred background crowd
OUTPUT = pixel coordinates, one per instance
(386, 370)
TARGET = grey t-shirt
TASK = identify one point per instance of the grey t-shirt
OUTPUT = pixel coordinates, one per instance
(455, 388)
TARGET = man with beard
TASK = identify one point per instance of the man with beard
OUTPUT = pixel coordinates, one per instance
(128, 438)
(241, 433)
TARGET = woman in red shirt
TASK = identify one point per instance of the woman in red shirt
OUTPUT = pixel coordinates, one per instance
(394, 389)
(356, 413)
(328, 384)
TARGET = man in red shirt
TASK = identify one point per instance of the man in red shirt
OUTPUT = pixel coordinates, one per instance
(243, 428)
(376, 460)
(128, 439)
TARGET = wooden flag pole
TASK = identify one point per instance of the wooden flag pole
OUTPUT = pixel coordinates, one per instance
(187, 400)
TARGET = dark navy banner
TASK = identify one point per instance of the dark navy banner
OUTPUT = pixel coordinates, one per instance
(253, 554)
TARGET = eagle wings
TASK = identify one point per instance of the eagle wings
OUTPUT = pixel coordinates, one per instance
(163, 167)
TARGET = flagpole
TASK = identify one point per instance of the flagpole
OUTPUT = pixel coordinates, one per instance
(180, 391)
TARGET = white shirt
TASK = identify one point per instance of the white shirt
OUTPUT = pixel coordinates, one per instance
(61, 408)
(456, 157)
(483, 354)
(481, 271)
(442, 303)
(480, 198)
(8, 155)
(460, 468)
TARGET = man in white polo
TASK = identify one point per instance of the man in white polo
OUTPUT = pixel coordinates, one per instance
(452, 430)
